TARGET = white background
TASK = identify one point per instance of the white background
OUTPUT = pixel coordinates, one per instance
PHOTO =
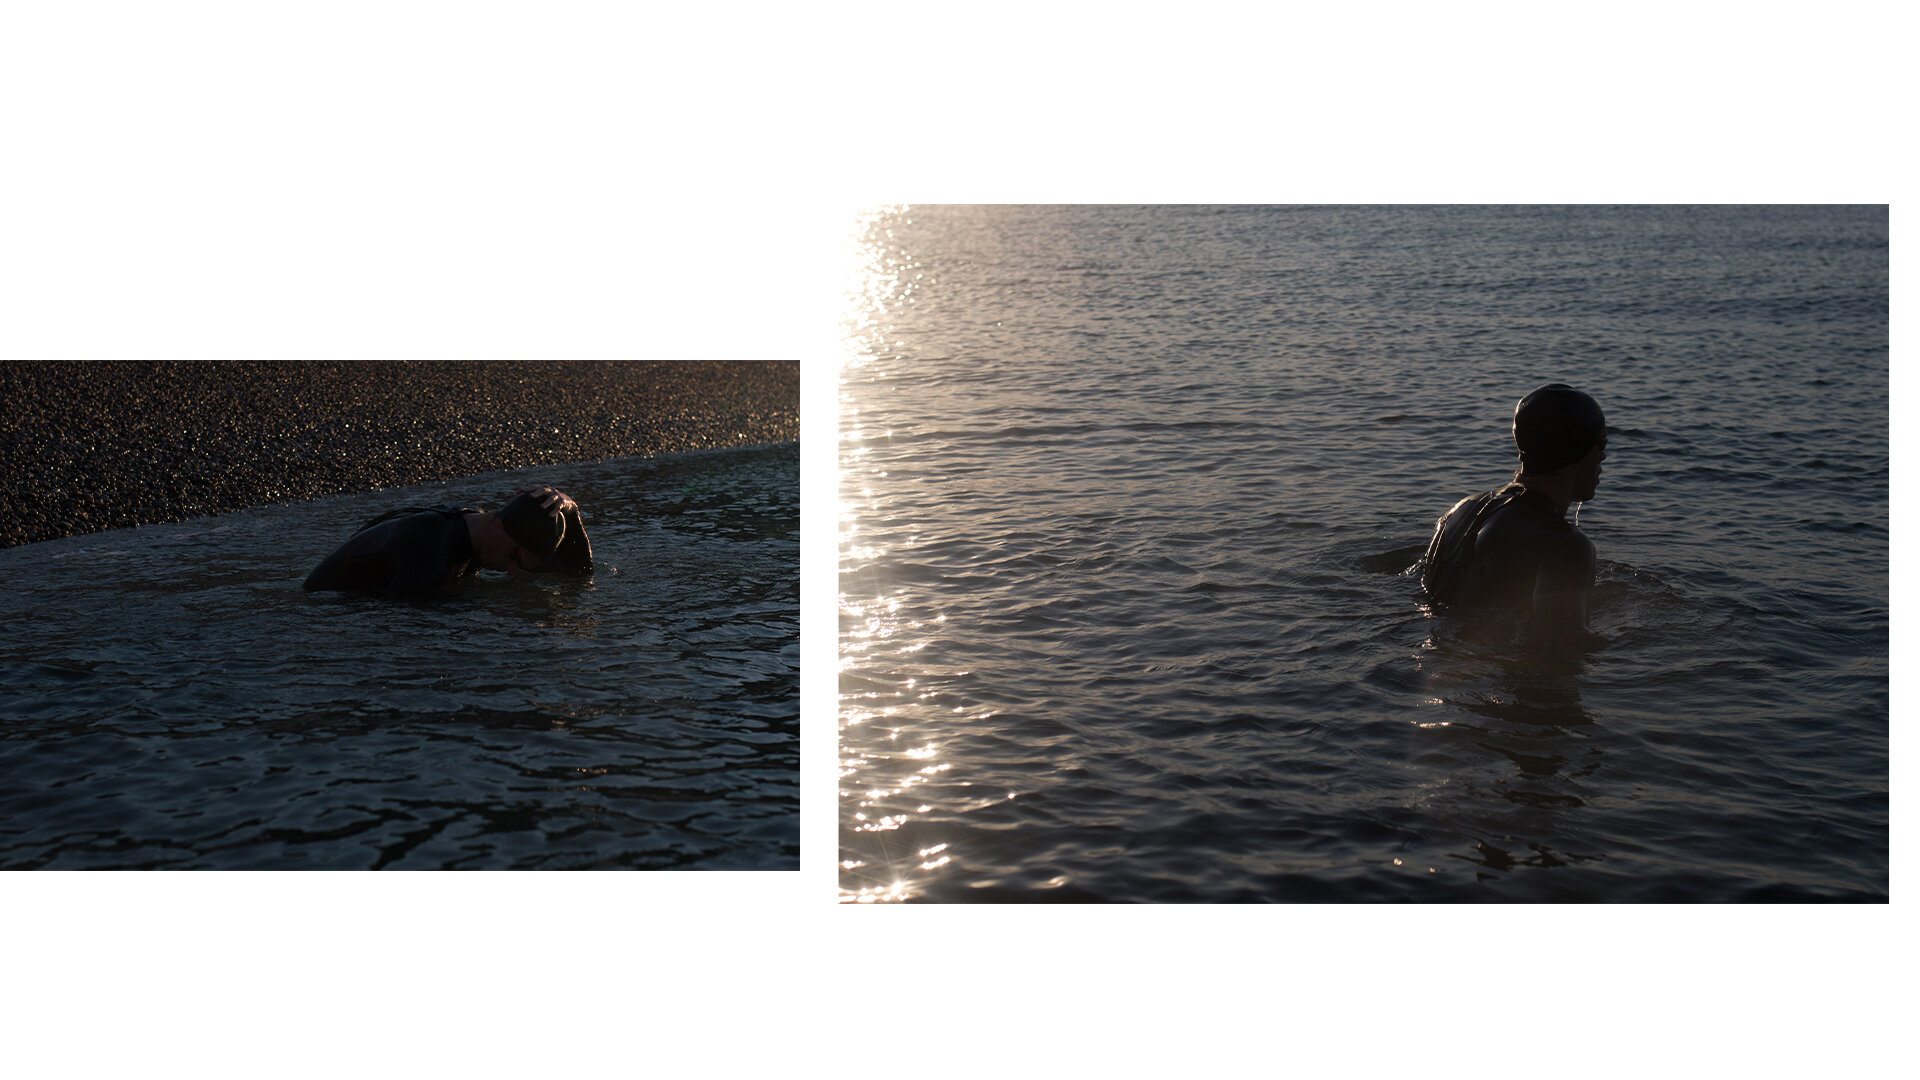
(585, 180)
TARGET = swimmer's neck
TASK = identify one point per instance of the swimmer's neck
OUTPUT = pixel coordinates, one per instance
(1557, 486)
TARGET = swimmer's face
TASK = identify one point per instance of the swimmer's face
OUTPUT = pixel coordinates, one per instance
(520, 561)
(1586, 472)
(496, 550)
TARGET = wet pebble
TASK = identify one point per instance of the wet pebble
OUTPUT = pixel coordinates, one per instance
(103, 445)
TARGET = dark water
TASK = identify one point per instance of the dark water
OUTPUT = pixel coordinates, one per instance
(1129, 497)
(173, 699)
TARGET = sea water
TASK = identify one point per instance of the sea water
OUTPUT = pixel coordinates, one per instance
(173, 699)
(1131, 500)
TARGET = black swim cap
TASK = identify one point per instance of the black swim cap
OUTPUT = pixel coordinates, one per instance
(531, 526)
(1555, 426)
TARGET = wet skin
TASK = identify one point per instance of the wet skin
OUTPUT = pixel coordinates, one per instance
(1521, 555)
(496, 550)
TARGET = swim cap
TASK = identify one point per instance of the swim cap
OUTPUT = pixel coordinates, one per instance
(531, 526)
(1555, 426)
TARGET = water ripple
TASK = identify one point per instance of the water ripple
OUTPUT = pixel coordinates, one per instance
(1129, 497)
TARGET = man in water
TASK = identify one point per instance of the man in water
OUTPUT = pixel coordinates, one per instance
(1512, 549)
(420, 550)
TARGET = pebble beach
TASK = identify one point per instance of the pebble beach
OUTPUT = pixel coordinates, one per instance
(88, 446)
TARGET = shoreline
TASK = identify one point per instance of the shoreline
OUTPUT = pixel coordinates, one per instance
(87, 446)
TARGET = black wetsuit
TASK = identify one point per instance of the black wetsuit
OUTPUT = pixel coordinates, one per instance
(1511, 549)
(406, 552)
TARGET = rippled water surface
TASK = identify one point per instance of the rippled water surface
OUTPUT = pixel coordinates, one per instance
(1129, 499)
(173, 698)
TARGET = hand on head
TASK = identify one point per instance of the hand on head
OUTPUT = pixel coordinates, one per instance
(551, 499)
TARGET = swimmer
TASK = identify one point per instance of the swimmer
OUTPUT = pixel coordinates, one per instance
(420, 550)
(1513, 549)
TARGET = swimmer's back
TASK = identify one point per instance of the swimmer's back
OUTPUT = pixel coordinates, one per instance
(406, 552)
(1510, 549)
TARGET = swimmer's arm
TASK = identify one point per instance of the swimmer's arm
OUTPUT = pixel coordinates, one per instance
(1562, 584)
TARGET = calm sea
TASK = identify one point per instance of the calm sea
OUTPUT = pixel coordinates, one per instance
(1130, 497)
(173, 699)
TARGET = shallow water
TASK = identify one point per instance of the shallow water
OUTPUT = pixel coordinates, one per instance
(1129, 497)
(175, 700)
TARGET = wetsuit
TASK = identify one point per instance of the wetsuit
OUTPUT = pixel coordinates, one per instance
(1512, 549)
(406, 552)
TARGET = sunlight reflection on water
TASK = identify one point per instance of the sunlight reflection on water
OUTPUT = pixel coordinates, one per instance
(1127, 499)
